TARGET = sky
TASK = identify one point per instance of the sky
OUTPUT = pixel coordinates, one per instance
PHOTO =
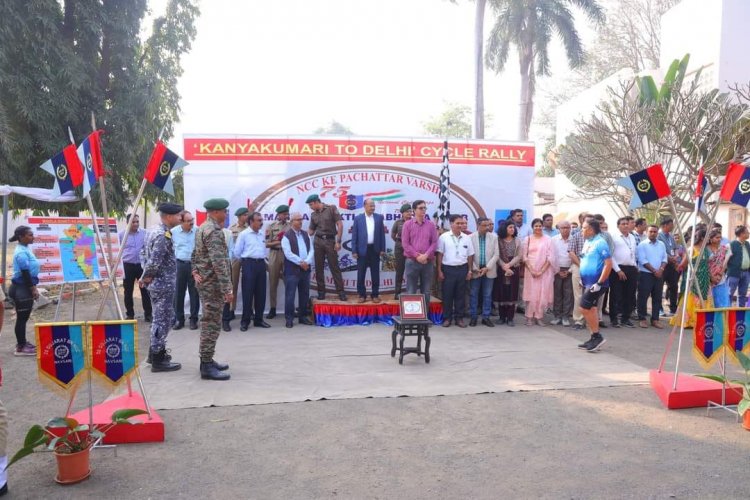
(380, 68)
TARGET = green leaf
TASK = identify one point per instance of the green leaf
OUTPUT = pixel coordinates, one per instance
(715, 378)
(23, 452)
(58, 422)
(35, 434)
(122, 416)
(647, 89)
(743, 406)
(744, 361)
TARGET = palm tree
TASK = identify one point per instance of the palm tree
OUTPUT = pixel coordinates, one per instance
(477, 126)
(529, 25)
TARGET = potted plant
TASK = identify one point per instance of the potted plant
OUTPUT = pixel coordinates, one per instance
(744, 404)
(71, 443)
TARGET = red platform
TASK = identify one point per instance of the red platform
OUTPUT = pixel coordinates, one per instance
(145, 431)
(691, 392)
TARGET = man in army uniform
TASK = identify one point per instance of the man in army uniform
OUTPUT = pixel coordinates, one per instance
(274, 233)
(398, 249)
(236, 229)
(160, 278)
(327, 227)
(212, 274)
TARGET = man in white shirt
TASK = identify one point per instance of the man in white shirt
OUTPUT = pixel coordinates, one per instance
(455, 257)
(623, 281)
(563, 285)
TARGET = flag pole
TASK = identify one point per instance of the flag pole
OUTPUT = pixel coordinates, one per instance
(103, 198)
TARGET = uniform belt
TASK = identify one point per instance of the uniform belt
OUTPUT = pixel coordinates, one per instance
(277, 249)
(183, 261)
(325, 236)
(456, 265)
(251, 259)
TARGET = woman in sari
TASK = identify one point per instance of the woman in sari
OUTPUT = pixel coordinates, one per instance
(699, 296)
(505, 291)
(540, 261)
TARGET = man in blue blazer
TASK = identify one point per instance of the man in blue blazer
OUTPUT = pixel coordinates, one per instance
(368, 246)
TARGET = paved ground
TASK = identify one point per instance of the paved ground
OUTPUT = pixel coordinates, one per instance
(600, 442)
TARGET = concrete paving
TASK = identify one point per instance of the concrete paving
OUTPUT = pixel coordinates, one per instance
(280, 365)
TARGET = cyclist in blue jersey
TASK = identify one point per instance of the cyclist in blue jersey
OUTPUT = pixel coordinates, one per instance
(596, 264)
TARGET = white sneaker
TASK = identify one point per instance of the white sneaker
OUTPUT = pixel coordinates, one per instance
(555, 321)
(565, 322)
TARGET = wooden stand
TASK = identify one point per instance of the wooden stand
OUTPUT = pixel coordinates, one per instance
(410, 328)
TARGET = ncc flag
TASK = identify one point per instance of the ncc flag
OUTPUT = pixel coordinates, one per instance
(113, 352)
(700, 190)
(90, 154)
(737, 337)
(67, 170)
(710, 335)
(60, 353)
(160, 167)
(647, 185)
(736, 187)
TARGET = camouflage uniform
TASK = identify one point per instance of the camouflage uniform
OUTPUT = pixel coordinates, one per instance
(236, 264)
(275, 257)
(323, 225)
(211, 262)
(159, 263)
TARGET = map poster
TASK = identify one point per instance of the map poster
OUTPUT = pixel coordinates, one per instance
(67, 249)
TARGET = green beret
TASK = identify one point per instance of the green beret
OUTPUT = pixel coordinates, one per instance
(241, 211)
(405, 207)
(312, 198)
(216, 204)
(169, 208)
(282, 208)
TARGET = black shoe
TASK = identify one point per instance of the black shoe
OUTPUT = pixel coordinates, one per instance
(243, 327)
(578, 326)
(209, 371)
(178, 325)
(473, 322)
(225, 326)
(232, 315)
(342, 297)
(628, 323)
(585, 346)
(501, 321)
(149, 318)
(321, 296)
(488, 322)
(596, 342)
(305, 321)
(193, 324)
(130, 316)
(262, 324)
(271, 313)
(220, 366)
(149, 359)
(289, 323)
(160, 363)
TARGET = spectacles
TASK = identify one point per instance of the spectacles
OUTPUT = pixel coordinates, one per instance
(296, 219)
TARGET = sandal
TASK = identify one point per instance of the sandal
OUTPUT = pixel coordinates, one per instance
(529, 322)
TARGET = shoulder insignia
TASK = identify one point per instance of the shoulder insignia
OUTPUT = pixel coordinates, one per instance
(168, 234)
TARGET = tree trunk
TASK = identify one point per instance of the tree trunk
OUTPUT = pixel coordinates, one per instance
(526, 103)
(477, 131)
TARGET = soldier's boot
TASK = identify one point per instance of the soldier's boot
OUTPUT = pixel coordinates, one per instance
(226, 326)
(220, 366)
(149, 359)
(271, 313)
(209, 371)
(160, 363)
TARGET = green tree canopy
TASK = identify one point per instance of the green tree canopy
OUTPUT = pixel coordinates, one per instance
(454, 121)
(61, 61)
(334, 128)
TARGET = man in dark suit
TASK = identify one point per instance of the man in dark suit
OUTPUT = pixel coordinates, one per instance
(368, 246)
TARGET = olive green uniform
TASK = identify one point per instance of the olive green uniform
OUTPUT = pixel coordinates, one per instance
(323, 226)
(275, 257)
(211, 262)
(236, 229)
(398, 252)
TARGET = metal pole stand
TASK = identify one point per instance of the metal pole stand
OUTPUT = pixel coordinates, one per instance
(712, 405)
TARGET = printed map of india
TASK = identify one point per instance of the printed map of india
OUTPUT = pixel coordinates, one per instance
(78, 253)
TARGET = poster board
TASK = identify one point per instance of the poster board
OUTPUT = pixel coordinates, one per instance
(262, 172)
(67, 249)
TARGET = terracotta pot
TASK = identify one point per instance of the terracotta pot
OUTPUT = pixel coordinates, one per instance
(746, 420)
(73, 467)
